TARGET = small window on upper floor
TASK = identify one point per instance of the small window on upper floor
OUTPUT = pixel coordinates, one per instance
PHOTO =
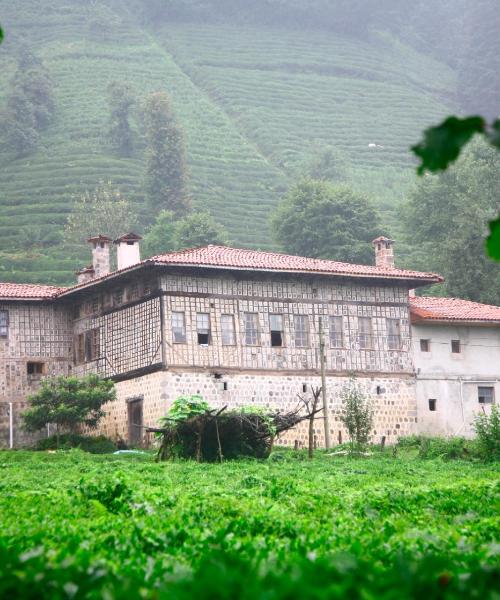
(425, 345)
(456, 347)
(365, 333)
(276, 327)
(4, 323)
(336, 332)
(251, 325)
(227, 330)
(35, 369)
(178, 328)
(432, 404)
(393, 334)
(203, 328)
(486, 395)
(301, 327)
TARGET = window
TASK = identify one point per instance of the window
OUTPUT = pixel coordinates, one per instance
(425, 345)
(203, 328)
(178, 328)
(35, 369)
(4, 323)
(92, 345)
(301, 326)
(227, 330)
(336, 332)
(455, 347)
(393, 334)
(432, 404)
(276, 327)
(117, 297)
(365, 333)
(80, 348)
(251, 323)
(486, 395)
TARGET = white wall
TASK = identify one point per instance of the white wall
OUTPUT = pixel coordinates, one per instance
(453, 379)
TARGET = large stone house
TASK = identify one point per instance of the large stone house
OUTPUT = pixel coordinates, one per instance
(237, 326)
(456, 349)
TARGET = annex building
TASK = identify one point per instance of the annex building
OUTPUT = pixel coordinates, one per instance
(239, 327)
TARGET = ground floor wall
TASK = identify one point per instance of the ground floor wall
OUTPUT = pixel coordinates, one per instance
(393, 398)
(447, 406)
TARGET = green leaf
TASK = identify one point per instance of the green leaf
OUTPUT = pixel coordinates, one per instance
(1, 35)
(442, 144)
(494, 134)
(493, 240)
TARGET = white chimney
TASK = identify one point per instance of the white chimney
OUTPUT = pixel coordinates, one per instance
(100, 254)
(127, 250)
(384, 252)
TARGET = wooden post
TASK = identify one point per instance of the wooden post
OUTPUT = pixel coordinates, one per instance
(323, 384)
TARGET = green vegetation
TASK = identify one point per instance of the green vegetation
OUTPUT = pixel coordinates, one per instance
(256, 103)
(93, 444)
(448, 215)
(69, 402)
(322, 220)
(79, 526)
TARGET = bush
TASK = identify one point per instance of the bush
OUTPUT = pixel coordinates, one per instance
(438, 447)
(357, 416)
(93, 444)
(487, 428)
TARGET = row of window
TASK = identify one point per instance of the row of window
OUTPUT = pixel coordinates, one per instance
(301, 329)
(485, 395)
(456, 346)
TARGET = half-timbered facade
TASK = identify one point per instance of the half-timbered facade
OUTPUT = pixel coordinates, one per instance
(237, 326)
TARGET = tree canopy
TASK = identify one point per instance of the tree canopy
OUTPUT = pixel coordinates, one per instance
(322, 220)
(448, 215)
(68, 402)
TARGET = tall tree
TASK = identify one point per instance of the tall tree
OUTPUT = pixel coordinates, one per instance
(447, 218)
(101, 210)
(196, 229)
(30, 103)
(323, 220)
(121, 99)
(166, 163)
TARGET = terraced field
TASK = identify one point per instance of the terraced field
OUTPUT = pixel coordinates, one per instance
(254, 103)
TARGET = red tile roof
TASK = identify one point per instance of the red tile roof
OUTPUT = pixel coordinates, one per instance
(27, 291)
(430, 308)
(255, 260)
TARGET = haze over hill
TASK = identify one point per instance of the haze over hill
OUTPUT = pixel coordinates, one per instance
(258, 92)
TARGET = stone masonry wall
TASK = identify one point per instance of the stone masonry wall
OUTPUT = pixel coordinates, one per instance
(395, 406)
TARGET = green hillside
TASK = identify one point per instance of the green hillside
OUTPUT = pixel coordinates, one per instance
(254, 102)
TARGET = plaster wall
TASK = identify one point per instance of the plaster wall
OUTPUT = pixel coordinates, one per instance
(453, 379)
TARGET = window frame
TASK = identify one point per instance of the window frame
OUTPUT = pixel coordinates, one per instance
(432, 402)
(302, 332)
(254, 331)
(4, 323)
(485, 401)
(456, 344)
(274, 330)
(427, 344)
(333, 331)
(203, 330)
(364, 335)
(38, 371)
(394, 341)
(182, 327)
(227, 318)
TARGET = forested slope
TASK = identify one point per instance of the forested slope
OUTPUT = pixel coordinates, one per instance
(255, 102)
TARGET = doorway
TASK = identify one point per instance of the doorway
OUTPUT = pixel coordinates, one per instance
(135, 421)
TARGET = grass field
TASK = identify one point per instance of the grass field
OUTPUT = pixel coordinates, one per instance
(76, 525)
(255, 104)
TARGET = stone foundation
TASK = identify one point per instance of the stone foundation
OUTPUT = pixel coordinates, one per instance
(395, 404)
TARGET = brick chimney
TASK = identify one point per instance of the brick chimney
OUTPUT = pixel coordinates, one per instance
(100, 254)
(127, 250)
(85, 275)
(384, 252)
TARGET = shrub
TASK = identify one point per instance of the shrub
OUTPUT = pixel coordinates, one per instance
(438, 447)
(93, 444)
(112, 493)
(357, 416)
(487, 428)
